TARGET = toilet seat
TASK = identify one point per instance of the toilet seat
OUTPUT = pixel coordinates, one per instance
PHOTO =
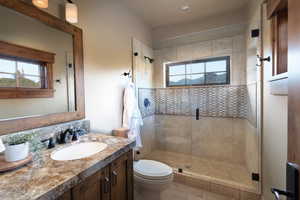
(152, 170)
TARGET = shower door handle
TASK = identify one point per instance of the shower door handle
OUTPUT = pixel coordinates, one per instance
(292, 183)
(277, 193)
(197, 114)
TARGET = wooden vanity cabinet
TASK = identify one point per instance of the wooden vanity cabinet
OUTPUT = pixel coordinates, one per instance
(114, 182)
(90, 189)
(66, 196)
(122, 178)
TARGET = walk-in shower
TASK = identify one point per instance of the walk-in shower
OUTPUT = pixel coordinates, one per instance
(207, 127)
(218, 146)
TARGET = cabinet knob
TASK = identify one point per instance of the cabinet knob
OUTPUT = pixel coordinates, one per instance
(114, 178)
(106, 185)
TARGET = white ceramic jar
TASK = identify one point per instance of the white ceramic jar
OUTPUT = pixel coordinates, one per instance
(16, 152)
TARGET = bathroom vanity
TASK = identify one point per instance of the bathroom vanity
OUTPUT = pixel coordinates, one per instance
(107, 175)
(51, 93)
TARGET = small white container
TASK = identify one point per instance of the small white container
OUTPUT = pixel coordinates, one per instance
(16, 152)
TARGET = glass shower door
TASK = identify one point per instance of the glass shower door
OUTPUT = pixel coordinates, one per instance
(173, 127)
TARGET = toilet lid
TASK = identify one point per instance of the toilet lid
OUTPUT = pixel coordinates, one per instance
(151, 169)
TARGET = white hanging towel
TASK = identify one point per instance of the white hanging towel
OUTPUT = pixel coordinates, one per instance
(132, 118)
(2, 147)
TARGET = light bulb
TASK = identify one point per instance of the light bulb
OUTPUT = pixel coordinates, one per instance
(40, 3)
(71, 13)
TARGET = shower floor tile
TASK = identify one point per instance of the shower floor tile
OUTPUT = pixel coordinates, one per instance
(233, 175)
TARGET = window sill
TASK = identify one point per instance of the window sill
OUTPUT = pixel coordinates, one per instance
(21, 93)
(279, 84)
(279, 77)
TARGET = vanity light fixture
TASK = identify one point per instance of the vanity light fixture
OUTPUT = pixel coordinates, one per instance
(71, 12)
(40, 3)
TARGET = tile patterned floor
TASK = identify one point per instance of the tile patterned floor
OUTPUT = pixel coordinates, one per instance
(179, 191)
(220, 172)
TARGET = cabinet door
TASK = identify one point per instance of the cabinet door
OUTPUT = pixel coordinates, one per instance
(90, 189)
(66, 196)
(105, 184)
(121, 173)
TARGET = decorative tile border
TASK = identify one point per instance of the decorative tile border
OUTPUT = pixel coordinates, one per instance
(212, 101)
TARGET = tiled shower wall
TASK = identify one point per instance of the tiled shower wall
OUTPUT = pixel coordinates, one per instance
(217, 101)
(212, 101)
(214, 138)
(220, 134)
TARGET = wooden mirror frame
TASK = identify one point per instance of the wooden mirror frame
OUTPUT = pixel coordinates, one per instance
(26, 123)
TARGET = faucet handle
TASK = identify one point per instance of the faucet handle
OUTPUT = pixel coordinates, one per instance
(75, 136)
(51, 143)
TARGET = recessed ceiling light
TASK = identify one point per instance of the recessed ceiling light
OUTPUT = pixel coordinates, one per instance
(185, 8)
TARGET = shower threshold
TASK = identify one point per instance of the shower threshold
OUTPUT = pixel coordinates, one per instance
(206, 172)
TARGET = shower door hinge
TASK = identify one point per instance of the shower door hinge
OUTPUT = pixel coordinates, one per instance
(255, 177)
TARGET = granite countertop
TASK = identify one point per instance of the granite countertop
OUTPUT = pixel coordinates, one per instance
(52, 178)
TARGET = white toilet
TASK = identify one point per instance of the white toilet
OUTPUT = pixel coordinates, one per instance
(151, 178)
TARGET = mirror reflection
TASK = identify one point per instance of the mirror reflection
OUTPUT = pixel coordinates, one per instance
(36, 68)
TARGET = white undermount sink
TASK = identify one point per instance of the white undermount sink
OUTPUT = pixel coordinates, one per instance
(78, 151)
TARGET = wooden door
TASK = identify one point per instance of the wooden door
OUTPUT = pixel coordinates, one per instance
(294, 81)
(121, 175)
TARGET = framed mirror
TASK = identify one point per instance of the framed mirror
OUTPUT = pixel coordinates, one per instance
(41, 68)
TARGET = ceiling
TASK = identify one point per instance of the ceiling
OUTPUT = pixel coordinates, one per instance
(167, 12)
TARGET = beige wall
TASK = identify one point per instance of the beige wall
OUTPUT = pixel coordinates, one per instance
(108, 27)
(28, 32)
(186, 29)
(143, 70)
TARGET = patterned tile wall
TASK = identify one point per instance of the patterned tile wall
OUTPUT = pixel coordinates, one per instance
(143, 94)
(212, 101)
